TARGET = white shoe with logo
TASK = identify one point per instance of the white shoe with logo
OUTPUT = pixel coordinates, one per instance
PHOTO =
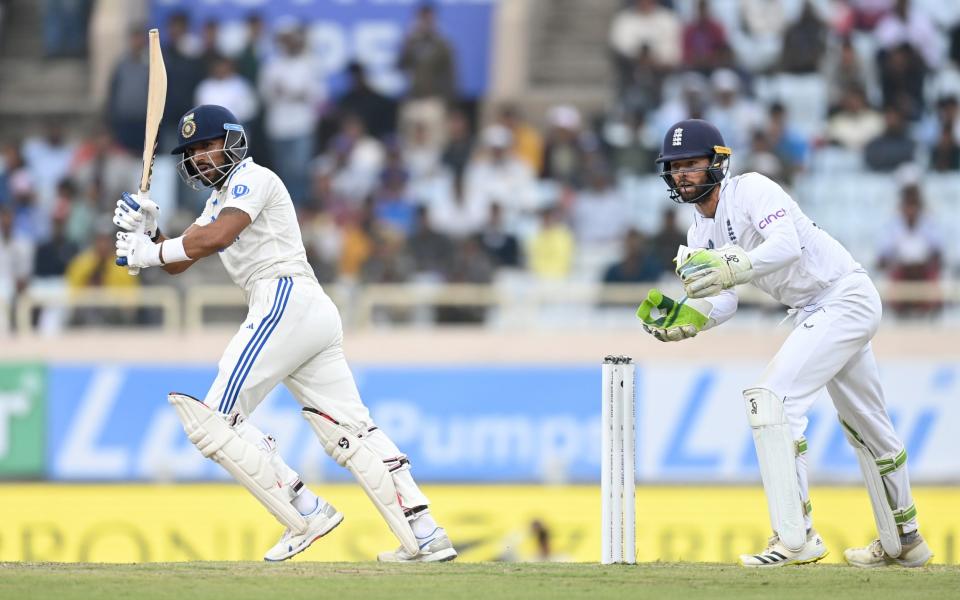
(777, 555)
(915, 553)
(435, 547)
(319, 523)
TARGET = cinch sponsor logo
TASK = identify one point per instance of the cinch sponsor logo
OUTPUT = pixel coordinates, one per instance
(771, 218)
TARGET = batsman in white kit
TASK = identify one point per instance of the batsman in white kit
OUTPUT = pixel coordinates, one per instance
(748, 230)
(292, 335)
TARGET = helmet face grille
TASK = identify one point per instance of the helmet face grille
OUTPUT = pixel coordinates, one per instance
(234, 151)
(694, 138)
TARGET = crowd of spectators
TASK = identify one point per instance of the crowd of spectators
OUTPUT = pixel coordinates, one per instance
(413, 188)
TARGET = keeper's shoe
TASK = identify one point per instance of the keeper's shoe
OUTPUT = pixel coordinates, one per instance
(436, 547)
(915, 553)
(319, 523)
(777, 555)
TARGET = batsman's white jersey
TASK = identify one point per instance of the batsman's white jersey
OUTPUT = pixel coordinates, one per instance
(292, 333)
(836, 311)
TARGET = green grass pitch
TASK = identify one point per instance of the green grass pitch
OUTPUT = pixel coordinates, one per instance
(452, 581)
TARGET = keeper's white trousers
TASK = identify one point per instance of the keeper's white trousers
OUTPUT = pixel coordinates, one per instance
(293, 335)
(829, 349)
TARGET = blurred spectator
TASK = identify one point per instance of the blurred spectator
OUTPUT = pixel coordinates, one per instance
(844, 71)
(499, 244)
(598, 211)
(563, 153)
(637, 264)
(16, 263)
(763, 159)
(788, 144)
(431, 250)
(757, 35)
(645, 23)
(944, 150)
(705, 45)
(83, 213)
(96, 267)
(421, 157)
(393, 206)
(55, 254)
(184, 69)
(101, 164)
(496, 175)
(856, 123)
(664, 243)
(642, 88)
(902, 74)
(14, 174)
(912, 247)
(629, 150)
(127, 98)
(527, 141)
(390, 262)
(357, 242)
(65, 27)
(454, 213)
(459, 142)
(354, 161)
(470, 264)
(292, 91)
(688, 102)
(224, 87)
(254, 51)
(48, 157)
(428, 61)
(893, 147)
(804, 42)
(910, 26)
(377, 111)
(210, 44)
(734, 115)
(551, 249)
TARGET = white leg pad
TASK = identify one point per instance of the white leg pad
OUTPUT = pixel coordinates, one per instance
(247, 463)
(350, 449)
(882, 513)
(776, 453)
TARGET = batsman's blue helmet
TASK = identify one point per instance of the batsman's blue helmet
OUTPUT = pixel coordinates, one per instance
(203, 123)
(694, 138)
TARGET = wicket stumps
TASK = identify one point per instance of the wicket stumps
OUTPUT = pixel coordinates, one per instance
(618, 448)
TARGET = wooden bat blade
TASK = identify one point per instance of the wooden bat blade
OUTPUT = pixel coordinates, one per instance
(156, 98)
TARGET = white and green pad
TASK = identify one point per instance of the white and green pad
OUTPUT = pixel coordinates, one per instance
(777, 455)
(248, 463)
(348, 446)
(888, 516)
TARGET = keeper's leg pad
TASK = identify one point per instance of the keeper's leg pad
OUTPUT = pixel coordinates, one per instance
(246, 462)
(873, 469)
(348, 446)
(776, 453)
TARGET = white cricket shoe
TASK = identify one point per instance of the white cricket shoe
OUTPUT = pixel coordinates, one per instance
(777, 554)
(916, 553)
(319, 523)
(436, 547)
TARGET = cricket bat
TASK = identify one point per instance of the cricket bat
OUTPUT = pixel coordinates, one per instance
(156, 97)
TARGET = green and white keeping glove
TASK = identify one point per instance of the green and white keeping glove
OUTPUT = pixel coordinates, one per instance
(675, 321)
(706, 272)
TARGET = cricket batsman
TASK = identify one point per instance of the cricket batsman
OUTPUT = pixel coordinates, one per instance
(292, 335)
(748, 230)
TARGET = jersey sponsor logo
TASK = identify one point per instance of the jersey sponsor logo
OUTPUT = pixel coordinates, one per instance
(678, 136)
(240, 190)
(771, 218)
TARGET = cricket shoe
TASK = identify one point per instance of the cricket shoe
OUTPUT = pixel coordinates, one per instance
(915, 553)
(777, 555)
(435, 547)
(319, 523)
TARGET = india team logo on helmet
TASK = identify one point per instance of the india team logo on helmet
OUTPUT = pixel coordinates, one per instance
(694, 138)
(188, 126)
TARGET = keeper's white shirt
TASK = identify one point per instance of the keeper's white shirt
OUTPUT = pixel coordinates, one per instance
(794, 261)
(271, 246)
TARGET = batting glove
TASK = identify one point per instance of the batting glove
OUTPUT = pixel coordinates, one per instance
(675, 321)
(136, 250)
(132, 212)
(706, 272)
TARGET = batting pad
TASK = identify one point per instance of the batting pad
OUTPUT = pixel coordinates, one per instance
(882, 512)
(249, 465)
(777, 455)
(351, 450)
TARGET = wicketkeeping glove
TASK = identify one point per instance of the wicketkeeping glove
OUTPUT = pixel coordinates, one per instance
(675, 320)
(132, 212)
(706, 272)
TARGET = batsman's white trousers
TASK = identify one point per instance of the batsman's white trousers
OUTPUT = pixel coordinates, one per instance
(293, 335)
(829, 348)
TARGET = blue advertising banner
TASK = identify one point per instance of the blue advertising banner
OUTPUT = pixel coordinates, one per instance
(492, 424)
(370, 31)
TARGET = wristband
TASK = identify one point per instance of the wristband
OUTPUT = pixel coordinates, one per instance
(172, 251)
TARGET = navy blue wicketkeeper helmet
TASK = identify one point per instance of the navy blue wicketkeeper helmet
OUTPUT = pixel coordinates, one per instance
(694, 138)
(203, 123)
